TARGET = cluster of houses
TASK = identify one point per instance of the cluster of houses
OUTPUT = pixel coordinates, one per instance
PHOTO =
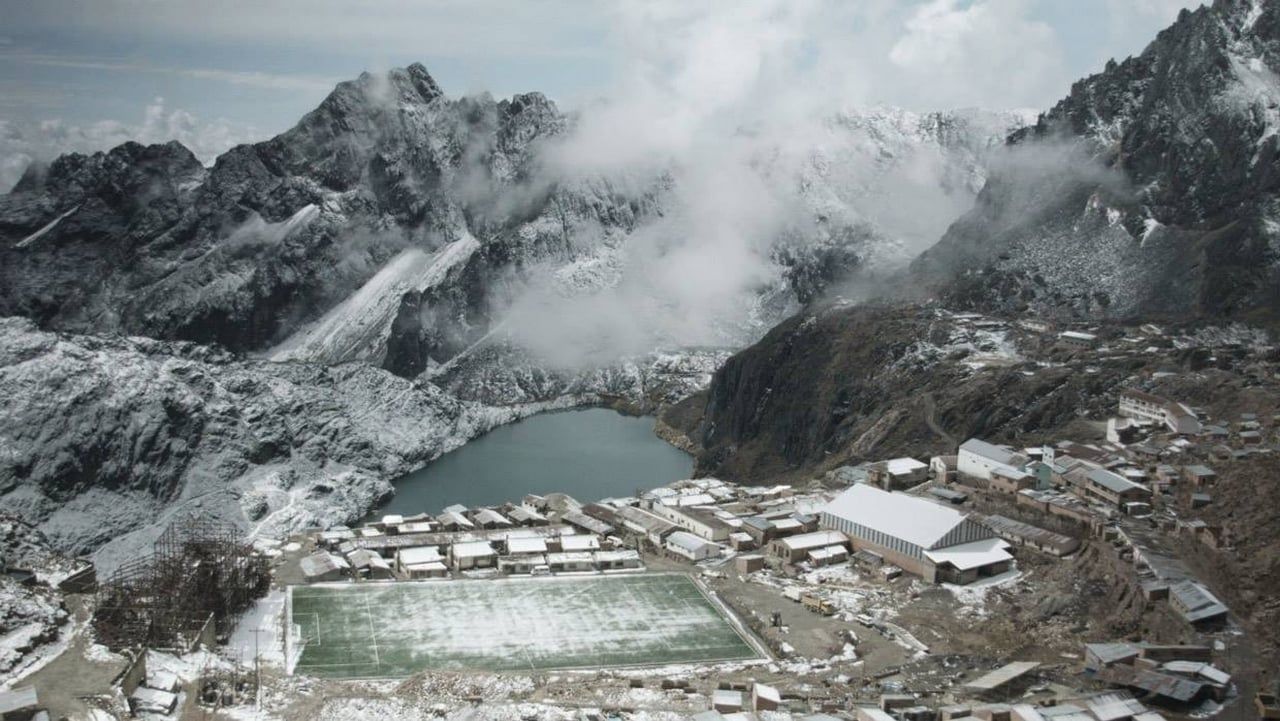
(1178, 676)
(535, 537)
(871, 522)
(1014, 681)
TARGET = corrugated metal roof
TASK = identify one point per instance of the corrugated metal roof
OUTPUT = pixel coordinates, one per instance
(1199, 603)
(911, 519)
(1002, 675)
(529, 545)
(1114, 705)
(990, 451)
(1114, 481)
(817, 539)
(972, 555)
(1112, 652)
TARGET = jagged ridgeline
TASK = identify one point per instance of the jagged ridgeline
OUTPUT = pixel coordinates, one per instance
(1151, 189)
(393, 225)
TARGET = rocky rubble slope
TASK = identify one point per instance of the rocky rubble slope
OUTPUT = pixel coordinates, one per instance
(104, 437)
(30, 615)
(1149, 190)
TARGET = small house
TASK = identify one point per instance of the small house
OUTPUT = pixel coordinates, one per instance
(472, 554)
(421, 562)
(369, 565)
(571, 562)
(691, 547)
(323, 566)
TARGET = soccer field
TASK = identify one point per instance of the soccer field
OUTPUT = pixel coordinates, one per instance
(389, 630)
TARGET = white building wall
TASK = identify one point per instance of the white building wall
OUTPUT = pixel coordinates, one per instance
(973, 465)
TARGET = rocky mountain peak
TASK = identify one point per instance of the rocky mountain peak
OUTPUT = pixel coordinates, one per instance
(124, 169)
(1148, 189)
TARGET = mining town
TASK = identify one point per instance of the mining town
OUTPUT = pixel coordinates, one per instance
(640, 360)
(1070, 578)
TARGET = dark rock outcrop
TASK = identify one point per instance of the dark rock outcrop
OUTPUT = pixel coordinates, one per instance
(845, 384)
(1150, 190)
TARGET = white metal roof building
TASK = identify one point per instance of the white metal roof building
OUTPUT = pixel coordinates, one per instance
(691, 547)
(978, 459)
(920, 536)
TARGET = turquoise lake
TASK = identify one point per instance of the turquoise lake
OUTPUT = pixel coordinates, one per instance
(589, 454)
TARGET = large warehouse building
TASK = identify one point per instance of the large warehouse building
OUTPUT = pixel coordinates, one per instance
(937, 543)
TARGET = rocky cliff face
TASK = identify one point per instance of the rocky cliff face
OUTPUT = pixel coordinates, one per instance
(844, 384)
(1150, 189)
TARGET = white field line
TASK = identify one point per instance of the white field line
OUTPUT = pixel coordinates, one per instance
(373, 633)
(657, 586)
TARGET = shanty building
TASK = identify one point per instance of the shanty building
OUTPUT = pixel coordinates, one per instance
(22, 704)
(579, 543)
(1025, 534)
(370, 565)
(977, 460)
(696, 520)
(943, 468)
(454, 521)
(1114, 706)
(1011, 480)
(934, 542)
(588, 523)
(421, 562)
(617, 559)
(897, 473)
(1008, 680)
(489, 518)
(1199, 476)
(472, 554)
(521, 564)
(518, 546)
(323, 566)
(526, 516)
(1144, 406)
(1113, 488)
(1196, 604)
(571, 562)
(794, 549)
(645, 524)
(828, 555)
(1098, 656)
(1077, 340)
(687, 545)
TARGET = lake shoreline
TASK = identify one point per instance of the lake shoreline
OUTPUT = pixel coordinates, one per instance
(591, 452)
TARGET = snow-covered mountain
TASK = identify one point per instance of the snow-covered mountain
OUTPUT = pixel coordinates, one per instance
(395, 226)
(274, 338)
(1150, 189)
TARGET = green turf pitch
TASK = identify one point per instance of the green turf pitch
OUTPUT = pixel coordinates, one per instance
(390, 630)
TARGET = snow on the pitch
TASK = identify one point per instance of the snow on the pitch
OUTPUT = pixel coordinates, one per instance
(357, 328)
(27, 241)
(526, 623)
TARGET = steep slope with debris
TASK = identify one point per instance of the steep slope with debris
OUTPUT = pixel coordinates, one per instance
(844, 384)
(1149, 190)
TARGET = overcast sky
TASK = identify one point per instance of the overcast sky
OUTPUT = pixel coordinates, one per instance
(79, 74)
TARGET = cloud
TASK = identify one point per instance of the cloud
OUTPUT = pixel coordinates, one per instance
(23, 143)
(269, 81)
(988, 49)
